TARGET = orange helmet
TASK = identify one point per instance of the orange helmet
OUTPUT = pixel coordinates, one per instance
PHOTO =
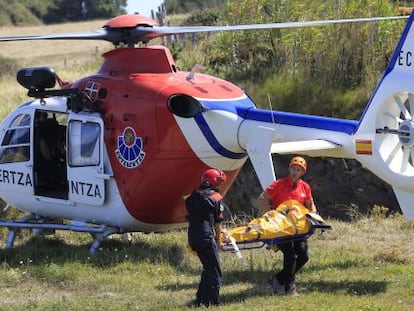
(213, 177)
(299, 161)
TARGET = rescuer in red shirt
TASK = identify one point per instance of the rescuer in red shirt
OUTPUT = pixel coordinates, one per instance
(295, 254)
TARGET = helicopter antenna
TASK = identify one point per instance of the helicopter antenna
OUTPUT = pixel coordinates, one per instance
(271, 109)
(195, 69)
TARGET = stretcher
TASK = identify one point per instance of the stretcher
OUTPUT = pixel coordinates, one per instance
(289, 222)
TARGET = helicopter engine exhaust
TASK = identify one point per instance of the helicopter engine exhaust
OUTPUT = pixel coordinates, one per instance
(185, 106)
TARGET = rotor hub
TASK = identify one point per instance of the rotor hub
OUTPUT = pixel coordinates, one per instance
(406, 133)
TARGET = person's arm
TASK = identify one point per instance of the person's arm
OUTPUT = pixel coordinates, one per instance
(218, 228)
(310, 205)
(265, 202)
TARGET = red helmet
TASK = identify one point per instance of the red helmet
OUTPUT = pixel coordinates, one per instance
(213, 177)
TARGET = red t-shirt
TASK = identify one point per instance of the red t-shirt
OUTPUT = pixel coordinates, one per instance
(285, 189)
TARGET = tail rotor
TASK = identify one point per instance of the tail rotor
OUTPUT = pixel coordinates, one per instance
(395, 129)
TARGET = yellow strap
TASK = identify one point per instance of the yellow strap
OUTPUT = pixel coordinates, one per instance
(293, 222)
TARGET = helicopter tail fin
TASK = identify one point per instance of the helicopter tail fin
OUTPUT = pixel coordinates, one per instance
(384, 139)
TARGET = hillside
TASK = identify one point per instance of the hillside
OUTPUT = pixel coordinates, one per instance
(38, 12)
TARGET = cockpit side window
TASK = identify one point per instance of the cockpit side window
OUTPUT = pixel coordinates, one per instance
(15, 146)
(84, 143)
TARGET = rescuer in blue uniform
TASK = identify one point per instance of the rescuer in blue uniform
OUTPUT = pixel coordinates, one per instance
(205, 214)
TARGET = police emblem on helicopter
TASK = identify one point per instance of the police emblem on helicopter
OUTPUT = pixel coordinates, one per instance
(129, 152)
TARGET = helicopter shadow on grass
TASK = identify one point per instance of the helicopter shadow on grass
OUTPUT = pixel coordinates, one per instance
(260, 278)
(354, 288)
(255, 284)
(40, 250)
(262, 288)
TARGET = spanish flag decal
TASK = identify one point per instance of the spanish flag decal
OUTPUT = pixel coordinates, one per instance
(363, 146)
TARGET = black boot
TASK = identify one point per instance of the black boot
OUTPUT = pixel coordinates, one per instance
(215, 296)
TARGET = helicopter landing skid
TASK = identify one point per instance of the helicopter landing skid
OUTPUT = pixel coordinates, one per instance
(40, 225)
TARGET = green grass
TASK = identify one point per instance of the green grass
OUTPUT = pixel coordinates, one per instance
(364, 265)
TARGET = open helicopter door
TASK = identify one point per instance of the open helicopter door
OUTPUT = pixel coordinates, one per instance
(49, 154)
(85, 142)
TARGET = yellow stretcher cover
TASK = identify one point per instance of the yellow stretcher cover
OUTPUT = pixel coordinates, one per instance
(290, 219)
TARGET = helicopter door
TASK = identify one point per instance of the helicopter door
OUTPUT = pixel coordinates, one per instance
(85, 159)
(49, 154)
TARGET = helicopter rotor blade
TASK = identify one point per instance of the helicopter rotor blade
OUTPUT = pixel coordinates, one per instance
(118, 33)
(84, 35)
(164, 31)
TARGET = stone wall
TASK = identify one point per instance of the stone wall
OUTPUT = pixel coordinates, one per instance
(342, 189)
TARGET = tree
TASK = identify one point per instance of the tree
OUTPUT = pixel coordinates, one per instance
(185, 6)
(64, 11)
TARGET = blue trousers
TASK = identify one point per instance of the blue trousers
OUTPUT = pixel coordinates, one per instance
(211, 276)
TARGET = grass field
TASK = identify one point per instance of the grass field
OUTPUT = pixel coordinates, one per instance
(364, 265)
(56, 52)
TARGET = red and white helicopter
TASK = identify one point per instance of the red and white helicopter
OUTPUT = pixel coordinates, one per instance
(116, 151)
